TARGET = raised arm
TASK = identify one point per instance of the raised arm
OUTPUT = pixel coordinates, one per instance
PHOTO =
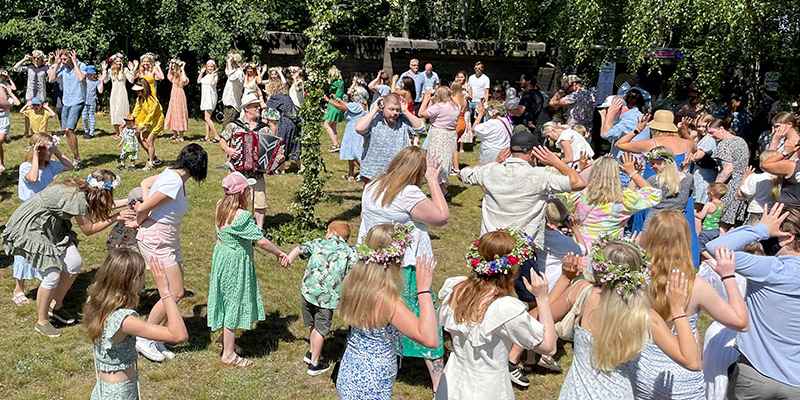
(538, 287)
(610, 115)
(19, 63)
(629, 168)
(547, 157)
(158, 73)
(624, 143)
(175, 331)
(335, 102)
(363, 124)
(434, 211)
(683, 349)
(373, 85)
(423, 108)
(779, 164)
(200, 75)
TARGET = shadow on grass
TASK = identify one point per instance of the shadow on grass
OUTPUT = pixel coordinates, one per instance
(267, 335)
(8, 183)
(99, 159)
(349, 214)
(277, 219)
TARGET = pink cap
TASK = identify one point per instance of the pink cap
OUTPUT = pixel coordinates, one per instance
(236, 183)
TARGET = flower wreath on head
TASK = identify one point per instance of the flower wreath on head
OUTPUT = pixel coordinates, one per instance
(149, 55)
(97, 184)
(522, 251)
(115, 56)
(621, 277)
(659, 155)
(392, 253)
(492, 111)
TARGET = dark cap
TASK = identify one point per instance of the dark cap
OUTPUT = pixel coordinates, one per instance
(522, 141)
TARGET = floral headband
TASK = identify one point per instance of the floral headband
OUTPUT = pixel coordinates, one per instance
(659, 155)
(393, 253)
(115, 56)
(93, 182)
(149, 55)
(522, 251)
(491, 111)
(622, 277)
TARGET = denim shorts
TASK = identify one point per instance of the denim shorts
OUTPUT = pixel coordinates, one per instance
(70, 116)
(5, 122)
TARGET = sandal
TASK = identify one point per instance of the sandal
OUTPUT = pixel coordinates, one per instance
(20, 299)
(236, 349)
(549, 363)
(2, 169)
(214, 140)
(238, 362)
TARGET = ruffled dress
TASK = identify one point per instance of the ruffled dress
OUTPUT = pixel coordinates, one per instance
(110, 356)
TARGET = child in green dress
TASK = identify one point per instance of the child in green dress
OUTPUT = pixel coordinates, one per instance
(234, 300)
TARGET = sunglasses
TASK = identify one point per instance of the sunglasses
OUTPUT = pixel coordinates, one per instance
(498, 91)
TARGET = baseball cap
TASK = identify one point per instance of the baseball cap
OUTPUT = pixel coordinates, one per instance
(236, 183)
(607, 102)
(36, 100)
(522, 141)
(90, 69)
(129, 117)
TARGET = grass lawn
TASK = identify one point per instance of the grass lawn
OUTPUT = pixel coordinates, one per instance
(37, 367)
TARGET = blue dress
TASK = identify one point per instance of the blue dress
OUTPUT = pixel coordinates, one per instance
(656, 376)
(584, 382)
(369, 365)
(352, 142)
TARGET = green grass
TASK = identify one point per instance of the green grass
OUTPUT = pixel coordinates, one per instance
(37, 367)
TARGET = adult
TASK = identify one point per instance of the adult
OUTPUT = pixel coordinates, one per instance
(735, 115)
(37, 77)
(7, 100)
(495, 132)
(785, 166)
(443, 113)
(119, 105)
(386, 129)
(693, 107)
(732, 156)
(676, 186)
(288, 129)
(769, 364)
(497, 93)
(466, 90)
(380, 85)
(332, 115)
(579, 102)
(531, 103)
(620, 116)
(250, 85)
(464, 123)
(158, 218)
(406, 88)
(233, 90)
(149, 120)
(570, 142)
(207, 79)
(414, 74)
(149, 69)
(297, 91)
(478, 87)
(396, 197)
(177, 119)
(430, 79)
(352, 142)
(634, 82)
(72, 74)
(705, 168)
(784, 128)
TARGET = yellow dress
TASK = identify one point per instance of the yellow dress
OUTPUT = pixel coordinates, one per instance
(149, 115)
(152, 82)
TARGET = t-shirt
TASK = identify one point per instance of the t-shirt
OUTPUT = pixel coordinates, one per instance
(234, 87)
(533, 101)
(27, 189)
(37, 120)
(495, 133)
(759, 187)
(578, 142)
(479, 86)
(429, 82)
(74, 90)
(170, 183)
(444, 115)
(556, 246)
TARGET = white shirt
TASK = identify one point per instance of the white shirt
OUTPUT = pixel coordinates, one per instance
(515, 195)
(398, 211)
(297, 93)
(578, 142)
(170, 184)
(234, 87)
(479, 86)
(759, 187)
(556, 246)
(495, 133)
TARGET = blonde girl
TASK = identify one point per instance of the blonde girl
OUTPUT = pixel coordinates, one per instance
(443, 113)
(148, 69)
(112, 322)
(372, 305)
(207, 79)
(676, 186)
(668, 256)
(118, 102)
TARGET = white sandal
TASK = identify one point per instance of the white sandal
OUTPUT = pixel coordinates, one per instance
(20, 299)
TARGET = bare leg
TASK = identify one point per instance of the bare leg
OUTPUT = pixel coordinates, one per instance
(315, 340)
(228, 344)
(208, 122)
(514, 354)
(72, 141)
(151, 146)
(435, 368)
(351, 167)
(455, 160)
(43, 297)
(19, 286)
(60, 291)
(117, 130)
(27, 127)
(2, 152)
(330, 127)
(259, 214)
(174, 274)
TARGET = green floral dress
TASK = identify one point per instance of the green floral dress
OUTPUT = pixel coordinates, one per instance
(234, 300)
(332, 113)
(110, 356)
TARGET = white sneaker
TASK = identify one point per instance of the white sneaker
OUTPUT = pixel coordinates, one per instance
(149, 349)
(163, 349)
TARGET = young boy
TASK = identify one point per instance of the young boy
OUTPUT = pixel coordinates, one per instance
(710, 215)
(129, 141)
(37, 114)
(94, 85)
(329, 260)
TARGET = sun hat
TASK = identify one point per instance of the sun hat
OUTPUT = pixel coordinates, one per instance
(663, 120)
(129, 117)
(236, 183)
(90, 69)
(36, 101)
(607, 102)
(137, 87)
(250, 98)
(573, 79)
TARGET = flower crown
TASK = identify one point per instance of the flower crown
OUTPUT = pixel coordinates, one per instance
(621, 277)
(491, 111)
(393, 253)
(149, 55)
(115, 56)
(659, 155)
(103, 185)
(522, 251)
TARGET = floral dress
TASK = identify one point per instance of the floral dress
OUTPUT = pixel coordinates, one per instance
(584, 382)
(110, 356)
(369, 366)
(733, 150)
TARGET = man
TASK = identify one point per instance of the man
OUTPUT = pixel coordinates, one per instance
(233, 148)
(620, 116)
(72, 74)
(579, 102)
(479, 87)
(234, 86)
(634, 82)
(430, 79)
(531, 103)
(413, 73)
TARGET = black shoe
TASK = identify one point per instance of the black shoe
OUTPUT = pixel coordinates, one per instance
(516, 376)
(61, 315)
(88, 136)
(157, 162)
(307, 358)
(120, 167)
(132, 168)
(315, 370)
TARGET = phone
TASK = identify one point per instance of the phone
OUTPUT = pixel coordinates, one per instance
(380, 104)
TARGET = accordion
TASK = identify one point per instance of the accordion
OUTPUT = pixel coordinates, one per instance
(258, 151)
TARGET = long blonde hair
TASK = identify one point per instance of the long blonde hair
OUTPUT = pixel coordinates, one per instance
(36, 138)
(668, 243)
(443, 95)
(457, 93)
(622, 324)
(101, 201)
(669, 177)
(775, 180)
(370, 292)
(228, 206)
(604, 184)
(115, 286)
(406, 168)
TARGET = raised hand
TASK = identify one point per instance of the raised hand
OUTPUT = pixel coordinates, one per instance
(503, 155)
(104, 65)
(569, 266)
(748, 171)
(433, 168)
(628, 164)
(643, 122)
(583, 163)
(636, 236)
(131, 66)
(773, 218)
(425, 267)
(157, 269)
(726, 261)
(537, 285)
(615, 106)
(677, 292)
(544, 155)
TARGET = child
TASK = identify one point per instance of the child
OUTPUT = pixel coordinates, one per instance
(572, 143)
(94, 85)
(329, 260)
(37, 114)
(112, 322)
(710, 215)
(35, 174)
(762, 188)
(7, 100)
(129, 141)
(121, 235)
(234, 300)
(556, 244)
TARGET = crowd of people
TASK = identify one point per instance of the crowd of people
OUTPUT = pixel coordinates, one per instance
(617, 251)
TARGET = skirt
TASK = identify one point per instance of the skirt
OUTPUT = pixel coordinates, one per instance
(409, 347)
(442, 146)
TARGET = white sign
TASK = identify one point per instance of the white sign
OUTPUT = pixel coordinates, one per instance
(771, 80)
(605, 82)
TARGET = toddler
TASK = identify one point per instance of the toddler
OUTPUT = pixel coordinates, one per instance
(94, 85)
(710, 215)
(129, 141)
(37, 114)
(121, 235)
(329, 260)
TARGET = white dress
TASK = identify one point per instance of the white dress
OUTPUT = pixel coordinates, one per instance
(478, 366)
(208, 93)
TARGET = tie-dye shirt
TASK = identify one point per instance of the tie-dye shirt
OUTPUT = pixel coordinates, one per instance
(598, 220)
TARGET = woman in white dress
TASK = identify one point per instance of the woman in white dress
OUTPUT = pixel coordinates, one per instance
(207, 78)
(119, 103)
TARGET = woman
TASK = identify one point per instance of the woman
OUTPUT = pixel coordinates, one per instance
(466, 137)
(37, 79)
(406, 90)
(380, 85)
(396, 197)
(464, 123)
(497, 93)
(572, 143)
(705, 168)
(149, 69)
(332, 115)
(118, 102)
(667, 255)
(288, 130)
(297, 91)
(40, 230)
(352, 143)
(676, 186)
(734, 115)
(207, 79)
(443, 113)
(252, 81)
(149, 121)
(495, 133)
(784, 128)
(370, 304)
(485, 319)
(177, 119)
(732, 156)
(159, 221)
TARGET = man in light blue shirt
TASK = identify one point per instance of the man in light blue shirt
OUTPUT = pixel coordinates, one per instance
(430, 80)
(72, 74)
(413, 73)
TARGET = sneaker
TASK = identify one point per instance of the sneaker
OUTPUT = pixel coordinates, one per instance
(549, 363)
(317, 369)
(132, 168)
(77, 164)
(453, 172)
(163, 349)
(149, 349)
(61, 315)
(157, 162)
(47, 329)
(516, 376)
(120, 167)
(148, 167)
(334, 149)
(307, 358)
(88, 136)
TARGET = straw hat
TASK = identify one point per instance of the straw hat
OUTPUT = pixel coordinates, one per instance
(663, 120)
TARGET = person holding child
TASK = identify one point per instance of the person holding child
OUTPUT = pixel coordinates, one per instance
(37, 78)
(711, 213)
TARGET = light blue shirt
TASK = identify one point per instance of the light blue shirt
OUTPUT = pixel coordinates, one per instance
(427, 82)
(74, 89)
(27, 189)
(627, 123)
(772, 345)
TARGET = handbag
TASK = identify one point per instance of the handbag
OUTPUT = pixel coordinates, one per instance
(566, 327)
